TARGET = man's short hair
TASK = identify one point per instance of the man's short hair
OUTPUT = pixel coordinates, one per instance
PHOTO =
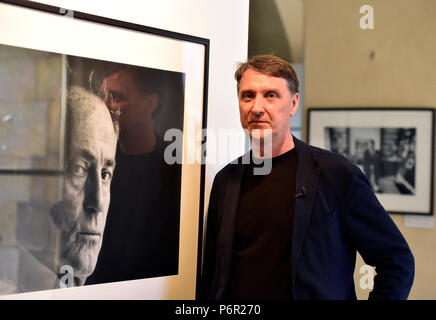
(146, 81)
(272, 66)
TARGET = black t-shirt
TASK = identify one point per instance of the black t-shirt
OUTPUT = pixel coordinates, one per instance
(261, 262)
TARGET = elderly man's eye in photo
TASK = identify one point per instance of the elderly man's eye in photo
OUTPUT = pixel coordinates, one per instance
(106, 175)
(79, 170)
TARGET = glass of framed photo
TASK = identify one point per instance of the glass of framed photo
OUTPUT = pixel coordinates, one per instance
(394, 147)
(59, 61)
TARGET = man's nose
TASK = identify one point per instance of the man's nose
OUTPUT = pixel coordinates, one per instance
(258, 107)
(93, 203)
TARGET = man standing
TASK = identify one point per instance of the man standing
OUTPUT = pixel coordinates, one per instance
(90, 161)
(294, 233)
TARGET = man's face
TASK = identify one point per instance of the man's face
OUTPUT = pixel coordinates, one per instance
(90, 161)
(265, 102)
(120, 93)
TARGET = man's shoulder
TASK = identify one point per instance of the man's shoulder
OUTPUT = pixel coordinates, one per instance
(231, 171)
(328, 157)
(232, 166)
(332, 163)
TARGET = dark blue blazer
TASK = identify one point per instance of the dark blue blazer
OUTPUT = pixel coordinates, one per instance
(338, 216)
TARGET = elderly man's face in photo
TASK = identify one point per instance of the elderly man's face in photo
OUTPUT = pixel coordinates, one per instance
(89, 166)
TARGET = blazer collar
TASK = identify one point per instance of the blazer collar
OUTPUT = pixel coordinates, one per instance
(307, 180)
(226, 234)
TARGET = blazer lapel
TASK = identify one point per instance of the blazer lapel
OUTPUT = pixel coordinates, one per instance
(307, 177)
(227, 230)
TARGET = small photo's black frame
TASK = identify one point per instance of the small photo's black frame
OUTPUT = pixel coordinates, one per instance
(310, 137)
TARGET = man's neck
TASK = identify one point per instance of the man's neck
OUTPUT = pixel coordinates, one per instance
(272, 148)
(133, 142)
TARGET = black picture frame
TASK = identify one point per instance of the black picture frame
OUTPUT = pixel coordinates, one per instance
(398, 138)
(195, 173)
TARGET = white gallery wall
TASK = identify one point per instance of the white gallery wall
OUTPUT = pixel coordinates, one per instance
(225, 24)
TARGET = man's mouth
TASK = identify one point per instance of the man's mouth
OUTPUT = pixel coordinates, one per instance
(258, 122)
(89, 234)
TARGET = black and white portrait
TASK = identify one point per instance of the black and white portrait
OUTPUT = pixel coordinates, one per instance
(86, 195)
(386, 155)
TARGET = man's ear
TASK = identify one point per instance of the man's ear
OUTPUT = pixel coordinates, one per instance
(151, 102)
(294, 103)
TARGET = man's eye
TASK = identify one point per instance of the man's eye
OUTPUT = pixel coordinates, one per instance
(117, 97)
(247, 96)
(79, 170)
(271, 95)
(106, 175)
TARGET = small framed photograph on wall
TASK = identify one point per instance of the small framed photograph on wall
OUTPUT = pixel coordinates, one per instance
(394, 147)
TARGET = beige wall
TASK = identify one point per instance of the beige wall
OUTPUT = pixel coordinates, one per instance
(339, 72)
(276, 27)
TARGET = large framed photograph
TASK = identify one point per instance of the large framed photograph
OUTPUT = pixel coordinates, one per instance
(394, 147)
(101, 192)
